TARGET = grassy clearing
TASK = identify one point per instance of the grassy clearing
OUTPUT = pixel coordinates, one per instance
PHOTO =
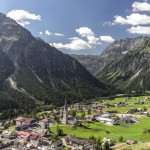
(133, 132)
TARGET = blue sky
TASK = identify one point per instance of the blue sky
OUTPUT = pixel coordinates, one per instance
(81, 26)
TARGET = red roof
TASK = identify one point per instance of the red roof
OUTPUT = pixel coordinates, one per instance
(45, 120)
(35, 137)
(23, 134)
(22, 119)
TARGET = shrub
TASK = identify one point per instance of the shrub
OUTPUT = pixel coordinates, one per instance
(120, 138)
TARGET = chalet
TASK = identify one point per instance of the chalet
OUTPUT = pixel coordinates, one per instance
(9, 134)
(5, 143)
(132, 111)
(72, 120)
(107, 121)
(42, 132)
(130, 142)
(22, 127)
(22, 121)
(24, 135)
(35, 139)
(76, 143)
(46, 122)
(90, 118)
(57, 145)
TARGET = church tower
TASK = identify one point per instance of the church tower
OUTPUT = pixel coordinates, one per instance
(65, 113)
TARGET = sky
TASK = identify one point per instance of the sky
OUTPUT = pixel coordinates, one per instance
(81, 26)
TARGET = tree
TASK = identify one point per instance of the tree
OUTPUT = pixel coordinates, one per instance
(89, 112)
(98, 141)
(121, 139)
(83, 115)
(98, 145)
(145, 108)
(106, 146)
(72, 113)
(59, 132)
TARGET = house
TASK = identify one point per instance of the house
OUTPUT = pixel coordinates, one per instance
(132, 111)
(22, 121)
(130, 142)
(110, 141)
(22, 127)
(57, 145)
(72, 120)
(5, 143)
(24, 135)
(46, 122)
(35, 140)
(76, 143)
(90, 118)
(41, 132)
(9, 134)
(107, 121)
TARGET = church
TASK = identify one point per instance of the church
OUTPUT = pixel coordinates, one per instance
(68, 119)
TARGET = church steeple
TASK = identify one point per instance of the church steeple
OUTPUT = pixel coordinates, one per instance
(65, 113)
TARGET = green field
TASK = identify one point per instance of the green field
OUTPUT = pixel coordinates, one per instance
(132, 132)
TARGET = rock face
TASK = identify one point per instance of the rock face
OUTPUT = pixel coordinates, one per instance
(118, 48)
(32, 71)
(131, 71)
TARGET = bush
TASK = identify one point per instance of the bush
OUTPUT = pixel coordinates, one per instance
(121, 139)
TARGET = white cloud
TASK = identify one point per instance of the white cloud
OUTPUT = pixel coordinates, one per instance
(58, 34)
(53, 34)
(48, 32)
(133, 19)
(40, 33)
(108, 23)
(107, 38)
(23, 23)
(90, 40)
(21, 16)
(138, 6)
(75, 44)
(89, 34)
(85, 31)
(139, 30)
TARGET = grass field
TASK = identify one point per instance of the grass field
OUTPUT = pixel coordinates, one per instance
(132, 132)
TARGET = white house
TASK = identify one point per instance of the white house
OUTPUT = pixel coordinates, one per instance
(72, 120)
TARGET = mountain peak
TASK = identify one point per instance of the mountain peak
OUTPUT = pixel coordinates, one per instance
(40, 72)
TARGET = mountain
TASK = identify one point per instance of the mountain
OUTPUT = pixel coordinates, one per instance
(131, 71)
(33, 72)
(118, 48)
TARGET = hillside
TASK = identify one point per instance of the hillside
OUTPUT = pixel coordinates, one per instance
(131, 71)
(95, 63)
(31, 71)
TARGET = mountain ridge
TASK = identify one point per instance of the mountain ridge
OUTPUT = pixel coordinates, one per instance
(116, 49)
(39, 72)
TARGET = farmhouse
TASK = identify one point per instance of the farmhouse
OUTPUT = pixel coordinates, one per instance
(46, 122)
(57, 145)
(76, 143)
(24, 135)
(22, 121)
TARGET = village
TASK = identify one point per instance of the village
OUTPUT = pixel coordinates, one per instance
(59, 129)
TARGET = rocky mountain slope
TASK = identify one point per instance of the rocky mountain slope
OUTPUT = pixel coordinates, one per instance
(130, 71)
(31, 71)
(118, 48)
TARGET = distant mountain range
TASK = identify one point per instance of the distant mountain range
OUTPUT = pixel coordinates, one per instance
(95, 63)
(33, 72)
(124, 64)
